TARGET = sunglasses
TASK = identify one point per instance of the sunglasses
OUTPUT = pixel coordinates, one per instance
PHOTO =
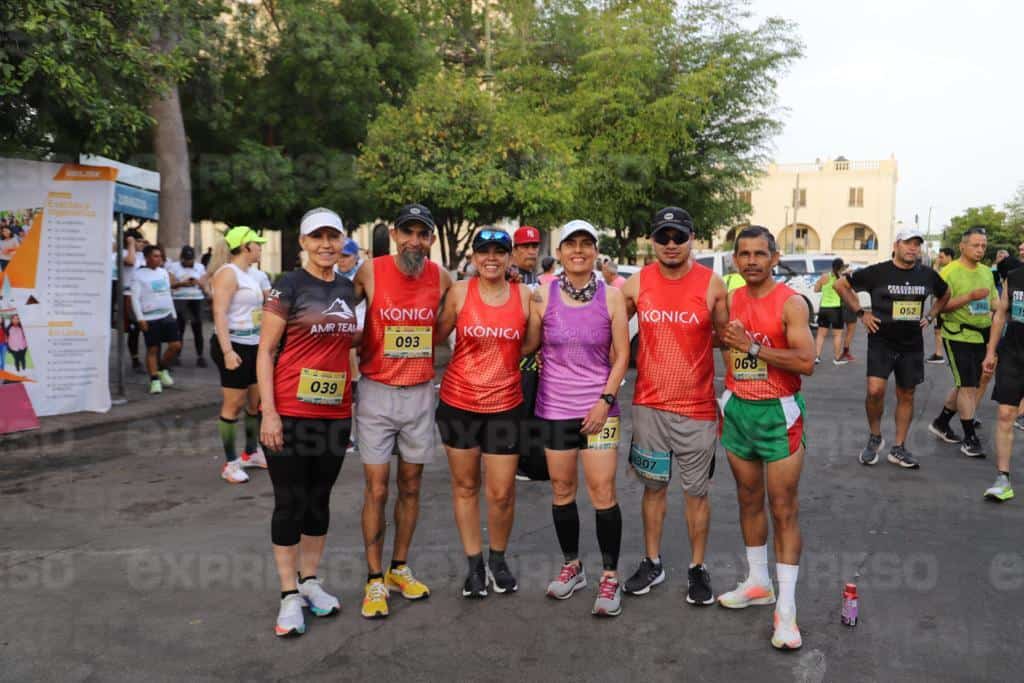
(663, 237)
(492, 236)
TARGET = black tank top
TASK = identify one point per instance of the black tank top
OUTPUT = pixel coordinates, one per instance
(1013, 340)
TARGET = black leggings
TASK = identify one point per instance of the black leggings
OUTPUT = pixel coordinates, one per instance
(303, 474)
(19, 359)
(188, 311)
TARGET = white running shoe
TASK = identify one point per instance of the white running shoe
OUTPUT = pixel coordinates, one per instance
(255, 459)
(166, 379)
(746, 594)
(233, 473)
(320, 602)
(155, 387)
(290, 622)
(787, 633)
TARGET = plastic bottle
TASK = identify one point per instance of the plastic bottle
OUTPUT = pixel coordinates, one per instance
(848, 614)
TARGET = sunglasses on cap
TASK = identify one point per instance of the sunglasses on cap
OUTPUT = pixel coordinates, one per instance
(492, 236)
(674, 235)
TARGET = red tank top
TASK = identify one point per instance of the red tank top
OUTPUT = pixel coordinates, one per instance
(483, 375)
(398, 336)
(675, 364)
(762, 318)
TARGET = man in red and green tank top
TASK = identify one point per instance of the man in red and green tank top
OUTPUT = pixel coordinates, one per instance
(679, 305)
(396, 395)
(769, 346)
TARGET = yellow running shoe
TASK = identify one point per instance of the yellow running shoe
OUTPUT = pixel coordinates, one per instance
(375, 600)
(402, 580)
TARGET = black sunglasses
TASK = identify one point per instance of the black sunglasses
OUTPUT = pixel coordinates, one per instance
(663, 237)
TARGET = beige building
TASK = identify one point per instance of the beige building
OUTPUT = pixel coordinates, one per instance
(834, 205)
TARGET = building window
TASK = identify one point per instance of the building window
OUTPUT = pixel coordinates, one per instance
(745, 197)
(857, 196)
(799, 197)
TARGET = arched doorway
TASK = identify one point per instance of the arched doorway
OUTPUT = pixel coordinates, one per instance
(799, 238)
(855, 236)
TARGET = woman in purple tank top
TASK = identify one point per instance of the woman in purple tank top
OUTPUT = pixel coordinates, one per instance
(584, 353)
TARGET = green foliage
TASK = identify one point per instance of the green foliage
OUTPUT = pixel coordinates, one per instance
(1002, 232)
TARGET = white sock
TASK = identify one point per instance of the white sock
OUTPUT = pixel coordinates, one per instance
(787, 575)
(757, 564)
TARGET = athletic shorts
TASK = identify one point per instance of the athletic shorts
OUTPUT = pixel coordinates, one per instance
(390, 415)
(496, 433)
(314, 437)
(767, 430)
(849, 317)
(1009, 388)
(830, 318)
(659, 437)
(883, 360)
(565, 435)
(965, 359)
(162, 331)
(242, 377)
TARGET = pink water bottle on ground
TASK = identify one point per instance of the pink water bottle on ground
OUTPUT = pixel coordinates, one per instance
(848, 614)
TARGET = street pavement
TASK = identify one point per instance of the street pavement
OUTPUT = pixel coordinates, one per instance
(123, 556)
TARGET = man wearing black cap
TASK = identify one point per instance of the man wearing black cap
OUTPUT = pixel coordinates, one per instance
(396, 395)
(188, 284)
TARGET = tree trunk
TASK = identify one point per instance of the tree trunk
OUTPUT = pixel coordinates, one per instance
(171, 148)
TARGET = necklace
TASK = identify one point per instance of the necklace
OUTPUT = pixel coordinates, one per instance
(585, 294)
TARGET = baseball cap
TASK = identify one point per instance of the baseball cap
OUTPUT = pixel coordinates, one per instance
(527, 235)
(672, 217)
(320, 218)
(909, 234)
(241, 235)
(351, 248)
(187, 252)
(489, 236)
(573, 227)
(414, 213)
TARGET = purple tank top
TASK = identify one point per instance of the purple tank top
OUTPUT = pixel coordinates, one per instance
(575, 350)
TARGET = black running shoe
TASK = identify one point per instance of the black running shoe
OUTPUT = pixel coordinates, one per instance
(935, 358)
(899, 455)
(869, 456)
(972, 447)
(699, 592)
(501, 578)
(647, 576)
(944, 432)
(200, 362)
(476, 583)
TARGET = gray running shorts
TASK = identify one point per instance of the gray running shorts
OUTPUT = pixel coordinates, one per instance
(660, 437)
(387, 415)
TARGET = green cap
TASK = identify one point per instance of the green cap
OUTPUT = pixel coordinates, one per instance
(242, 234)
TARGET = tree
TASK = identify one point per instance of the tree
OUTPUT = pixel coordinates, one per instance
(1001, 234)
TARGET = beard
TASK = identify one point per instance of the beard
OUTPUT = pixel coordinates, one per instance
(412, 261)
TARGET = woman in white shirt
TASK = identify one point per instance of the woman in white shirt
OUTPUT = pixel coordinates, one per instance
(154, 312)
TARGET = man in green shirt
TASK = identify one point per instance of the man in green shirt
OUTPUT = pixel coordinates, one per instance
(966, 321)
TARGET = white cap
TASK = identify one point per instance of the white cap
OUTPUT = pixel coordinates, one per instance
(909, 234)
(573, 227)
(320, 218)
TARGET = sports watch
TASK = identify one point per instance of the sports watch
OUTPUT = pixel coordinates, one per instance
(608, 398)
(755, 349)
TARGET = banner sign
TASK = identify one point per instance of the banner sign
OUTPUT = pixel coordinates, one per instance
(132, 201)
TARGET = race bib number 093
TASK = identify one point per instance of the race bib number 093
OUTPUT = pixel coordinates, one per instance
(321, 387)
(408, 341)
(746, 368)
(607, 438)
(907, 310)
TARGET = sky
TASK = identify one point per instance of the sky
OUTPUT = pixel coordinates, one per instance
(940, 84)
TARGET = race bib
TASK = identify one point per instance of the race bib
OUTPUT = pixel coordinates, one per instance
(907, 310)
(1017, 311)
(980, 307)
(650, 464)
(745, 368)
(408, 341)
(321, 387)
(607, 438)
(257, 317)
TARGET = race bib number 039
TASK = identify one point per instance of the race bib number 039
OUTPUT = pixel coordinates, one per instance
(746, 368)
(321, 387)
(907, 310)
(408, 341)
(607, 438)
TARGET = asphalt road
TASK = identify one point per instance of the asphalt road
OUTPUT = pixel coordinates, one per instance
(138, 563)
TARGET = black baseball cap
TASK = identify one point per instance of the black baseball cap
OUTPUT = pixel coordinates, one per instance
(672, 217)
(414, 213)
(188, 252)
(488, 236)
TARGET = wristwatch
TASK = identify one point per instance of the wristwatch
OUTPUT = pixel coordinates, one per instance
(860, 313)
(608, 398)
(755, 349)
(929, 319)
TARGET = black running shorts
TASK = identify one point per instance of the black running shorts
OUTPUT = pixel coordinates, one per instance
(495, 433)
(1009, 388)
(830, 318)
(162, 331)
(883, 360)
(244, 375)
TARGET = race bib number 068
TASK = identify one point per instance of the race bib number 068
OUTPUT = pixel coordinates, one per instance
(408, 341)
(746, 368)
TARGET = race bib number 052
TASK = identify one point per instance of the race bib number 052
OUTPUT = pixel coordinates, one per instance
(907, 310)
(746, 368)
(607, 438)
(321, 387)
(408, 341)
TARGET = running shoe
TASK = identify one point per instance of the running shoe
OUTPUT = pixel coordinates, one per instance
(747, 594)
(233, 473)
(166, 379)
(136, 365)
(840, 361)
(848, 357)
(971, 447)
(402, 580)
(647, 576)
(319, 601)
(254, 459)
(944, 432)
(869, 456)
(898, 455)
(1019, 422)
(500, 577)
(570, 579)
(817, 360)
(200, 362)
(155, 387)
(375, 600)
(787, 633)
(609, 598)
(936, 359)
(476, 582)
(699, 591)
(290, 622)
(1001, 490)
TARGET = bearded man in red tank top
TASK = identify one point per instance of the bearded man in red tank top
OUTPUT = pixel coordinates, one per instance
(770, 346)
(396, 396)
(679, 304)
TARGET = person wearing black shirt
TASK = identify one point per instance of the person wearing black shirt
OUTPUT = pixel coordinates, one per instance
(898, 290)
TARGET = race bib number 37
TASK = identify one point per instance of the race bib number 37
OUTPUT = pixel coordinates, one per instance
(746, 368)
(607, 438)
(408, 341)
(906, 310)
(321, 387)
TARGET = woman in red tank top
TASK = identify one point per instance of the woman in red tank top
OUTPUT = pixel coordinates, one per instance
(479, 408)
